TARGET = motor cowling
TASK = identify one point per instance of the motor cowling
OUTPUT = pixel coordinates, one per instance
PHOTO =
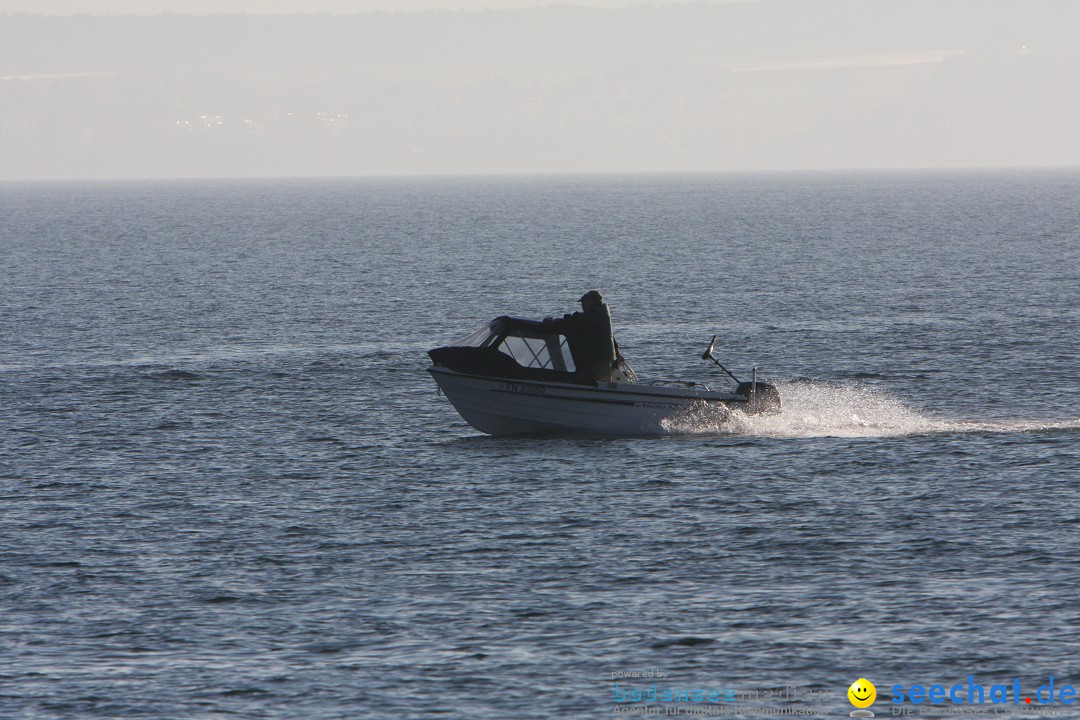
(766, 398)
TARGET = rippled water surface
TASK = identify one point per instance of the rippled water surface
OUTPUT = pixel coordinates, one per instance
(229, 488)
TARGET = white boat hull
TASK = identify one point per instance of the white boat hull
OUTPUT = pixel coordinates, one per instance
(502, 407)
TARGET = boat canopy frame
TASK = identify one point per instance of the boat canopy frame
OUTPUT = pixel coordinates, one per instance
(536, 350)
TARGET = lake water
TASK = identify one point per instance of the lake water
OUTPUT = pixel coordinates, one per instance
(230, 490)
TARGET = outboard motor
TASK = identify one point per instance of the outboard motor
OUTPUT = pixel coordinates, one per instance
(761, 397)
(766, 400)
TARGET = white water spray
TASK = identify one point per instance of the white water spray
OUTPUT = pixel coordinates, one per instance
(825, 409)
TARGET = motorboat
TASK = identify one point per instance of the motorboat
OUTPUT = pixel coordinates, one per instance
(519, 376)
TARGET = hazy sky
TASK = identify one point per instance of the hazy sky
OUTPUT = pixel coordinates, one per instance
(150, 7)
(531, 87)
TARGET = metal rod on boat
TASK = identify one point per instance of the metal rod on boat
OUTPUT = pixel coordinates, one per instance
(707, 355)
(753, 390)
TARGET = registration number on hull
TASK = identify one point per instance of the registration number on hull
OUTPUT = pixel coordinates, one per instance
(526, 389)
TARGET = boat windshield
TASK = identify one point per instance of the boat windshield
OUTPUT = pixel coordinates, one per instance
(537, 350)
(532, 344)
(481, 338)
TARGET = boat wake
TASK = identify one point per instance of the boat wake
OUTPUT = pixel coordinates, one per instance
(826, 409)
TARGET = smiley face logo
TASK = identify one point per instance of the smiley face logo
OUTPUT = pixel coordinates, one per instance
(862, 693)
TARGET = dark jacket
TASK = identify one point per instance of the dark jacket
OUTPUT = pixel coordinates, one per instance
(589, 335)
